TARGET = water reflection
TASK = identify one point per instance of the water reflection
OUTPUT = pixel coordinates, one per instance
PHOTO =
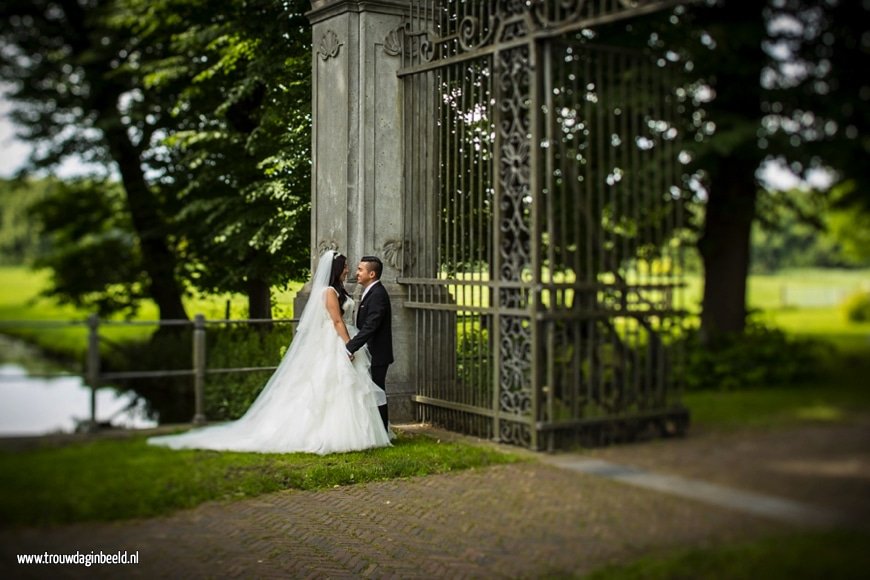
(34, 406)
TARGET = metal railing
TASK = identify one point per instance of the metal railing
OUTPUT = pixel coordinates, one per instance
(95, 378)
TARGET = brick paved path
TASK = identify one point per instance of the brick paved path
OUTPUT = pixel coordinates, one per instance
(511, 521)
(523, 520)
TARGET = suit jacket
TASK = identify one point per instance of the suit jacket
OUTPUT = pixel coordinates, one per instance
(374, 320)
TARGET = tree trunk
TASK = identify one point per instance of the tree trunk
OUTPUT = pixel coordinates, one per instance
(104, 94)
(730, 160)
(724, 249)
(158, 260)
(259, 299)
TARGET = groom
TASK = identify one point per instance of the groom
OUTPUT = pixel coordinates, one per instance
(374, 320)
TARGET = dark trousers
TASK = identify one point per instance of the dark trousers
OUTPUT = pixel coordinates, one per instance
(379, 377)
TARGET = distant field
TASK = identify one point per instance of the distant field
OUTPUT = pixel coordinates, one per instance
(20, 288)
(803, 288)
(19, 300)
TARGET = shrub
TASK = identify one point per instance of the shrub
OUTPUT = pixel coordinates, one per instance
(473, 359)
(760, 357)
(169, 398)
(226, 395)
(857, 307)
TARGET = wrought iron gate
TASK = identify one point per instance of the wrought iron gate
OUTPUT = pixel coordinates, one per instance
(543, 220)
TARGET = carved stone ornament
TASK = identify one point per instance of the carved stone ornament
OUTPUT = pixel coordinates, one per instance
(393, 42)
(393, 250)
(326, 245)
(329, 45)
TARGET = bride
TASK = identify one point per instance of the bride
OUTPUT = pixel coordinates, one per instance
(319, 400)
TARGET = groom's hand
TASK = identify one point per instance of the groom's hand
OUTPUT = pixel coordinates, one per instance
(349, 354)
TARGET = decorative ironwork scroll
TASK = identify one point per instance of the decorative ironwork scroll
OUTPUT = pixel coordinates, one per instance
(463, 27)
(513, 74)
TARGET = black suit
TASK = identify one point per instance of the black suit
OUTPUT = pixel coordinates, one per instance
(374, 320)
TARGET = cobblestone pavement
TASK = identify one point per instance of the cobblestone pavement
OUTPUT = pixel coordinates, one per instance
(522, 520)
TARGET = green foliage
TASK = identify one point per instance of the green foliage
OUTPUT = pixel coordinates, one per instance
(170, 399)
(82, 98)
(19, 235)
(857, 307)
(65, 96)
(228, 396)
(22, 298)
(473, 358)
(762, 356)
(801, 107)
(90, 247)
(205, 113)
(239, 73)
(112, 480)
(828, 554)
(794, 230)
(849, 226)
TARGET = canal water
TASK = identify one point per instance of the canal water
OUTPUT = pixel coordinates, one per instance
(32, 405)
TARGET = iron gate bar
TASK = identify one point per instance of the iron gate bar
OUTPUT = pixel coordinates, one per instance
(456, 406)
(510, 343)
(586, 421)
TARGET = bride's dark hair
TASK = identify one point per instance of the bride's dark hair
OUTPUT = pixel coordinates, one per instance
(338, 263)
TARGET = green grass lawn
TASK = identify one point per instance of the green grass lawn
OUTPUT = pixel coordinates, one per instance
(765, 291)
(840, 555)
(119, 479)
(840, 394)
(780, 407)
(20, 299)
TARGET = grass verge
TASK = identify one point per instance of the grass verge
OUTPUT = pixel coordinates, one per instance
(779, 407)
(121, 479)
(836, 554)
(112, 480)
(838, 393)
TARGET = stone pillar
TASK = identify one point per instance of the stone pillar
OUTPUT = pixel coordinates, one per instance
(357, 204)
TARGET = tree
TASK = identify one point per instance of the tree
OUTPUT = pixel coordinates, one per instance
(95, 259)
(241, 74)
(205, 112)
(796, 233)
(19, 236)
(780, 80)
(849, 226)
(77, 92)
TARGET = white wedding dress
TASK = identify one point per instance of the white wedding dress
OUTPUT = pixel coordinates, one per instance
(317, 401)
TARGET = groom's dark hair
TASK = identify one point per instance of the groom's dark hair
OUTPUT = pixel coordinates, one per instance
(374, 264)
